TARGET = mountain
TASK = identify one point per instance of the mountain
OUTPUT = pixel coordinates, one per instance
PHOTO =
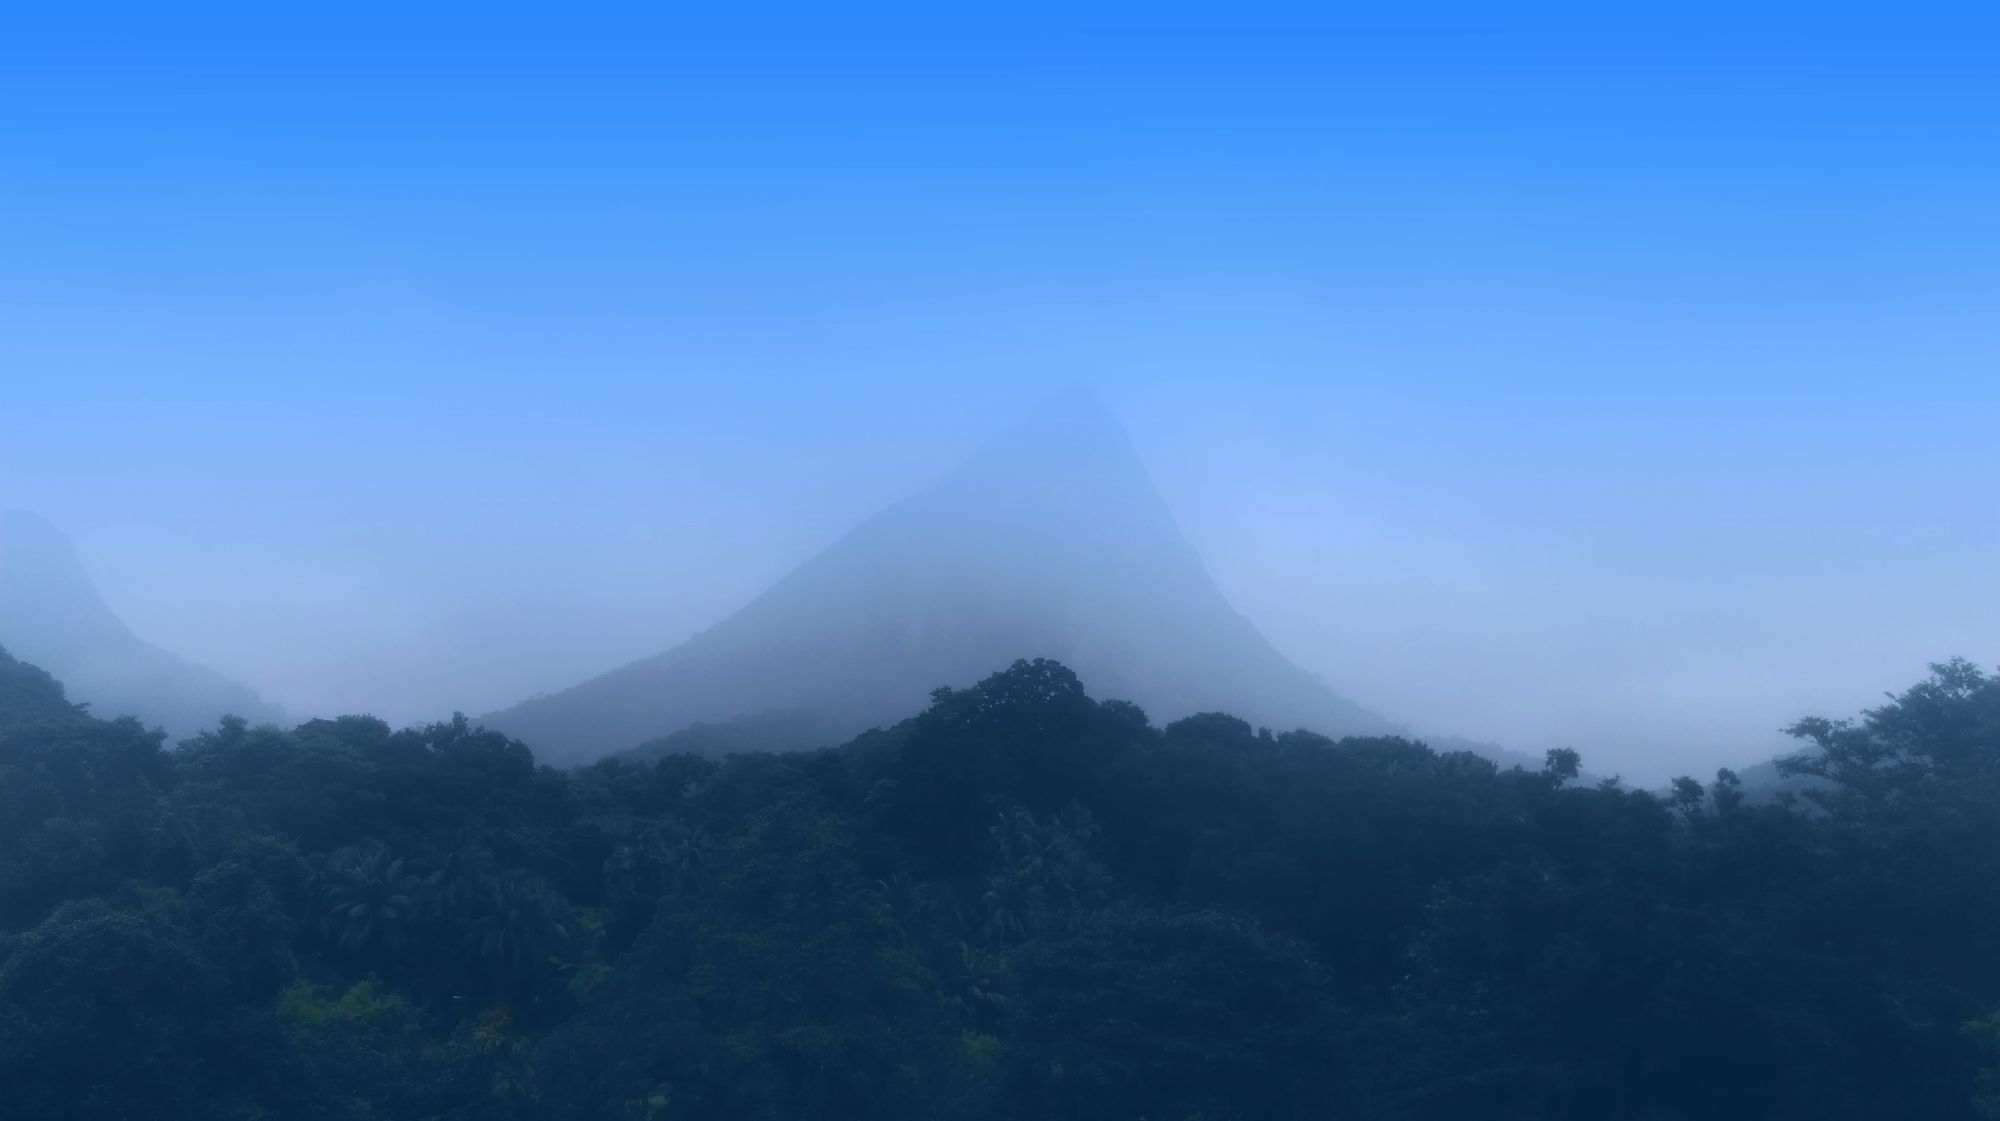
(52, 616)
(1052, 542)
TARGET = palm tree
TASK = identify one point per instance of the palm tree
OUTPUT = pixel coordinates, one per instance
(459, 881)
(966, 978)
(515, 927)
(370, 902)
(1041, 869)
(688, 859)
(1013, 906)
(908, 900)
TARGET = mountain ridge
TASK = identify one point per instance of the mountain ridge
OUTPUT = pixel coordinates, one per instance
(1049, 542)
(53, 616)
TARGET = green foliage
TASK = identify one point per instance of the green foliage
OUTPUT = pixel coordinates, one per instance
(1563, 764)
(28, 695)
(1185, 1016)
(115, 1013)
(365, 1015)
(1020, 903)
(1984, 1033)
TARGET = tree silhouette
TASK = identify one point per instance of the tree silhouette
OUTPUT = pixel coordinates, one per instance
(513, 927)
(370, 903)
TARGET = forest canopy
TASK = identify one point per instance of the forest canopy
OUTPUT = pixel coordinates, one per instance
(1020, 902)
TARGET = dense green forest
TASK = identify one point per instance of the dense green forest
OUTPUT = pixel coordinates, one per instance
(1020, 903)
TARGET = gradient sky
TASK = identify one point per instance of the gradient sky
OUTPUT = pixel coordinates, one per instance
(1612, 379)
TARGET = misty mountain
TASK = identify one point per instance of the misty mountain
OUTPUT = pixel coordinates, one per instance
(52, 616)
(1052, 542)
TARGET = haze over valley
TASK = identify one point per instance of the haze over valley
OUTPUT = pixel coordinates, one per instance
(1691, 656)
(1191, 562)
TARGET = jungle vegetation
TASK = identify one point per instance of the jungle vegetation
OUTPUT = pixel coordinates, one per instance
(1021, 902)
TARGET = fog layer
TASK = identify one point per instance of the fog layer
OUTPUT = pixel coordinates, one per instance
(1557, 383)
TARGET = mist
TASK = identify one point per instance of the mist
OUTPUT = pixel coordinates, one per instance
(488, 390)
(1524, 581)
(963, 563)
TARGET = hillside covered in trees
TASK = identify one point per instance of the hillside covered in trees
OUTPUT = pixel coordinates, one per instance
(1019, 903)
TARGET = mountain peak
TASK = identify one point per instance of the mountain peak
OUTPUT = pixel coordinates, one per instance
(1063, 481)
(1050, 542)
(1069, 433)
(1075, 414)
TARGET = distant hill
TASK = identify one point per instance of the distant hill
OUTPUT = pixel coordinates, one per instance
(52, 616)
(1053, 542)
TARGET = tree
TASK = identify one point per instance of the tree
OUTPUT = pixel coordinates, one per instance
(115, 1014)
(370, 903)
(1171, 1016)
(514, 927)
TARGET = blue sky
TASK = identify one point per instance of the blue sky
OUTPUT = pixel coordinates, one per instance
(1625, 379)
